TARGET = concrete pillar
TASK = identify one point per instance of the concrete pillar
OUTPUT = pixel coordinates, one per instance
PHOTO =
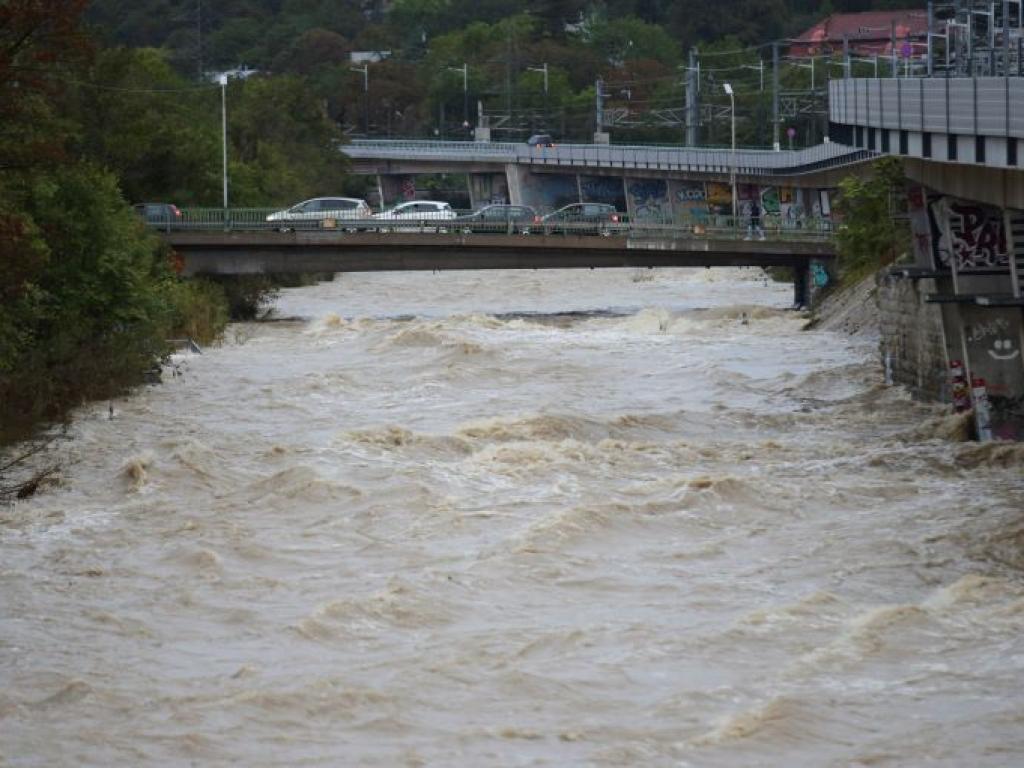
(993, 339)
(486, 188)
(515, 180)
(393, 188)
(801, 286)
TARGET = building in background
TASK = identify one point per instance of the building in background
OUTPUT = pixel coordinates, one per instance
(869, 33)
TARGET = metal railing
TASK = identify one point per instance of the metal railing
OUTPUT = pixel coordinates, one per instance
(717, 160)
(713, 227)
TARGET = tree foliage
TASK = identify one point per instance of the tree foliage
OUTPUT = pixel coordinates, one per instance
(871, 233)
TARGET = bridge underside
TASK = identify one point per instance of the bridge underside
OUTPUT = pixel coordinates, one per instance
(241, 253)
(826, 177)
(274, 252)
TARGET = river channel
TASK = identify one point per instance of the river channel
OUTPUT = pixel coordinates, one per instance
(595, 518)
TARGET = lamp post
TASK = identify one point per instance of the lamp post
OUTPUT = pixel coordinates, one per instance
(223, 79)
(464, 69)
(543, 68)
(732, 163)
(365, 69)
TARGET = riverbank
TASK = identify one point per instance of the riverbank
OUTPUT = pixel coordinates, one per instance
(849, 309)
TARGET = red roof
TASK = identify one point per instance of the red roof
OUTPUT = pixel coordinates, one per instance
(868, 32)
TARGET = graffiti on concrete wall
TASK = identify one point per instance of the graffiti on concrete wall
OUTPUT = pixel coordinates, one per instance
(648, 200)
(967, 236)
(603, 189)
(689, 199)
(555, 190)
(719, 198)
(792, 214)
(997, 336)
(992, 343)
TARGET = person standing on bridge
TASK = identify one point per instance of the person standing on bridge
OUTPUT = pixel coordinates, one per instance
(754, 224)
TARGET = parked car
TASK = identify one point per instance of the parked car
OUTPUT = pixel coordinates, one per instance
(320, 212)
(540, 140)
(161, 215)
(416, 212)
(499, 218)
(584, 219)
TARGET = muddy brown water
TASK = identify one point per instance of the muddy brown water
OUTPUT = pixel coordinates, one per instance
(519, 518)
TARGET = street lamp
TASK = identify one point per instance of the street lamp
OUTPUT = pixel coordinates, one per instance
(464, 69)
(732, 169)
(223, 79)
(543, 68)
(365, 69)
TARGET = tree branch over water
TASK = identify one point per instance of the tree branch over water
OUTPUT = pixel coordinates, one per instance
(17, 481)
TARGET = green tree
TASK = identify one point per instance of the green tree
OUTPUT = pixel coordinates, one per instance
(157, 131)
(284, 147)
(870, 234)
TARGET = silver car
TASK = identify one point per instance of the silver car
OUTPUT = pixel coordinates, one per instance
(416, 213)
(321, 212)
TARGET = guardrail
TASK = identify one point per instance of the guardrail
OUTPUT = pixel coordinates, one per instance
(713, 227)
(748, 162)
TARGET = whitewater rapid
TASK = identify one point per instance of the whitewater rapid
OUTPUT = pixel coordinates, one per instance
(602, 518)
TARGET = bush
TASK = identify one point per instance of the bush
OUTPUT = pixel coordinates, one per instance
(870, 234)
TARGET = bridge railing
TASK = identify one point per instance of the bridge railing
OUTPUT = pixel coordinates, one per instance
(717, 160)
(772, 227)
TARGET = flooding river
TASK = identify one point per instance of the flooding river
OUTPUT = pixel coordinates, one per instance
(595, 518)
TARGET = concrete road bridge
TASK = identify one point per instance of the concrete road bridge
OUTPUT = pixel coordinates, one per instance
(355, 247)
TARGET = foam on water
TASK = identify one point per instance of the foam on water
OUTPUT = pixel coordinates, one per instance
(506, 518)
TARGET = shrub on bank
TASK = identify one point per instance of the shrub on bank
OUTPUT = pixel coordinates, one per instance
(89, 297)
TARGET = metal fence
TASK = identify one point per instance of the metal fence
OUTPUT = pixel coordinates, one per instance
(715, 227)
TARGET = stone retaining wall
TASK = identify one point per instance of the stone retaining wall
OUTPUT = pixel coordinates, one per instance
(913, 345)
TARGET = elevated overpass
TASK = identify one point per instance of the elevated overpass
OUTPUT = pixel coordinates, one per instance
(412, 157)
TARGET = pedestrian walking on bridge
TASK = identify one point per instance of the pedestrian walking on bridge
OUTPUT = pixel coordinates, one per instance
(754, 224)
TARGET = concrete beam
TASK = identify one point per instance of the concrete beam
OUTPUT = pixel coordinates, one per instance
(229, 253)
(1000, 187)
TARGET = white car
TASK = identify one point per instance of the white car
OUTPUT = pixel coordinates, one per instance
(316, 213)
(417, 211)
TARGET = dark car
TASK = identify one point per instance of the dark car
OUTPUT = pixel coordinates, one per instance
(160, 215)
(499, 218)
(584, 219)
(540, 140)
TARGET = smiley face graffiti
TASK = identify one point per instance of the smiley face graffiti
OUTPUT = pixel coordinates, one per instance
(1003, 350)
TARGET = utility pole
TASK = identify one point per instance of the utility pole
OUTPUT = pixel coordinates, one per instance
(892, 48)
(224, 137)
(1006, 37)
(846, 57)
(931, 24)
(199, 37)
(692, 100)
(365, 69)
(464, 69)
(508, 75)
(600, 137)
(775, 96)
(543, 68)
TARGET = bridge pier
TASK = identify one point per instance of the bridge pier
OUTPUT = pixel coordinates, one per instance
(487, 188)
(393, 188)
(801, 287)
(960, 306)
